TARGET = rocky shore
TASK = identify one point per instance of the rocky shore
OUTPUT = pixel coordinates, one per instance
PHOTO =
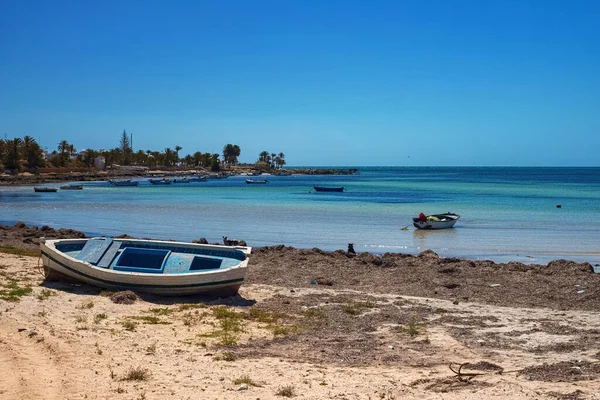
(98, 175)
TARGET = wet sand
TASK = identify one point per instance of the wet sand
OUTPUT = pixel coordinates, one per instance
(310, 324)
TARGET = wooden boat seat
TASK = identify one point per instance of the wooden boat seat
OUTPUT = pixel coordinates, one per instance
(110, 254)
(94, 249)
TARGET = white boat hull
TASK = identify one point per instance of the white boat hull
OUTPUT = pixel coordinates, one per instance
(223, 282)
(444, 221)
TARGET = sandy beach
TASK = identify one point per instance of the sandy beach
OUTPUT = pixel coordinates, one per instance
(306, 324)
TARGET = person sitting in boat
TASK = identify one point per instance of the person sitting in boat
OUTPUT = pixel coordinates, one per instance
(422, 217)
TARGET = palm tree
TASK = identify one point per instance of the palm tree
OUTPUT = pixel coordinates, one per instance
(33, 152)
(63, 147)
(177, 148)
(12, 154)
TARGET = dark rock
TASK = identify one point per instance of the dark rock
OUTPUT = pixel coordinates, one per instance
(124, 297)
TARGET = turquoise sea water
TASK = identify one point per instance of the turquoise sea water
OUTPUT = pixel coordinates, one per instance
(506, 213)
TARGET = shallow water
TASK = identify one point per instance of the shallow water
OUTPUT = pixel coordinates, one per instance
(506, 213)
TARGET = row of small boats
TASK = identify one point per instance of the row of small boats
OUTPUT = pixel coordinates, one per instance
(43, 189)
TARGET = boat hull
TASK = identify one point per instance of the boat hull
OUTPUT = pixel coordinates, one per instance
(44, 190)
(221, 283)
(328, 189)
(445, 221)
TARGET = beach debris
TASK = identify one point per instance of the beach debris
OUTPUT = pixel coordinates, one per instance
(124, 297)
(322, 281)
(242, 387)
(581, 291)
(464, 376)
(494, 285)
(233, 242)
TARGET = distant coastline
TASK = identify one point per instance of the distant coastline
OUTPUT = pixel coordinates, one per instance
(60, 175)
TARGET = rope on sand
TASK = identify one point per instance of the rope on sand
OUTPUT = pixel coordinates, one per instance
(467, 376)
(40, 269)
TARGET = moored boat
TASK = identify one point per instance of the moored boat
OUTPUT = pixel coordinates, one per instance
(255, 181)
(329, 188)
(71, 187)
(435, 221)
(123, 182)
(40, 189)
(164, 181)
(152, 266)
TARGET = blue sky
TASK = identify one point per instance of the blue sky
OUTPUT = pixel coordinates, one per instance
(344, 82)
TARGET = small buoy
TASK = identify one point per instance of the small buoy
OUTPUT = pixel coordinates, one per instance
(558, 206)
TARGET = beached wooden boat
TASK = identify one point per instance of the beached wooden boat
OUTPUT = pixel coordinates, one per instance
(329, 188)
(71, 187)
(153, 266)
(123, 182)
(435, 221)
(39, 189)
(256, 181)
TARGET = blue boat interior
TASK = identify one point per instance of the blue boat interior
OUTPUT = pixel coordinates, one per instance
(147, 257)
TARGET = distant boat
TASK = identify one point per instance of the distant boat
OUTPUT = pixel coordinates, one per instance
(197, 179)
(329, 188)
(123, 182)
(44, 189)
(164, 181)
(254, 181)
(71, 187)
(436, 221)
(153, 266)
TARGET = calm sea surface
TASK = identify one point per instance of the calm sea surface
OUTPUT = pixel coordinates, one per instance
(506, 213)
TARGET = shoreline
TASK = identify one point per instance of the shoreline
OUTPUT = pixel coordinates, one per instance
(306, 324)
(554, 284)
(27, 178)
(525, 258)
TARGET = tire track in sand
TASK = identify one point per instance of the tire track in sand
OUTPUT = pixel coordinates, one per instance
(28, 371)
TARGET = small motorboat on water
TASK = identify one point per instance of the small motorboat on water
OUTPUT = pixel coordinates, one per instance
(153, 266)
(253, 181)
(435, 221)
(164, 181)
(39, 189)
(329, 188)
(123, 182)
(71, 187)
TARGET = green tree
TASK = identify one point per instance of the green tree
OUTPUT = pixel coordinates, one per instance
(215, 166)
(33, 153)
(12, 158)
(125, 147)
(177, 148)
(89, 157)
(231, 152)
(64, 149)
